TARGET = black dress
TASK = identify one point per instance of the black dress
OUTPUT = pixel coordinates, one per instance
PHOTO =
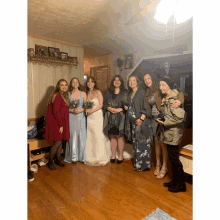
(114, 124)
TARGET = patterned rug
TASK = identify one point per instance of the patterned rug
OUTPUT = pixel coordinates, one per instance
(159, 214)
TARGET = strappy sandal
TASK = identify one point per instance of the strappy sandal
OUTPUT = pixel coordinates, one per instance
(162, 174)
(157, 170)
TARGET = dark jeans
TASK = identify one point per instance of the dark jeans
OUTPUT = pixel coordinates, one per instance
(176, 165)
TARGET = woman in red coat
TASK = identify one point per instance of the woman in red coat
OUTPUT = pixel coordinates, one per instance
(57, 121)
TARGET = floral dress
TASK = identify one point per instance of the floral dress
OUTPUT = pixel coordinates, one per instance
(141, 149)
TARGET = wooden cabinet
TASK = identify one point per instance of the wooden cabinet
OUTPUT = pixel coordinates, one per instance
(35, 144)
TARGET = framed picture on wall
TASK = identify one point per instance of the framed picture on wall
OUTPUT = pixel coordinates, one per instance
(73, 60)
(54, 52)
(129, 61)
(41, 50)
(63, 56)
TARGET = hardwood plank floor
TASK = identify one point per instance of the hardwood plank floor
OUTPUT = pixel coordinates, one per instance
(115, 191)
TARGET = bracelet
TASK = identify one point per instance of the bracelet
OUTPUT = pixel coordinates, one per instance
(141, 119)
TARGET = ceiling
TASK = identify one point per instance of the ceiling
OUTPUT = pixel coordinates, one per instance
(99, 26)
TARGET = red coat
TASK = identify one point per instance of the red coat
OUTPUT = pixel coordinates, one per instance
(57, 116)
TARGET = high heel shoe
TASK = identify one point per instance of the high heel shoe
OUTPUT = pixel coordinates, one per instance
(119, 161)
(162, 174)
(112, 160)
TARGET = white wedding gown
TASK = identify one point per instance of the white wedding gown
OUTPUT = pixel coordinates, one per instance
(98, 148)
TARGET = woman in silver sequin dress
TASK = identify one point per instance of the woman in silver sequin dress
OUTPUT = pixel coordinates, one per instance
(75, 147)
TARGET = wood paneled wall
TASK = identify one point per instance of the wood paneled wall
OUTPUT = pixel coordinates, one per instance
(42, 78)
(90, 62)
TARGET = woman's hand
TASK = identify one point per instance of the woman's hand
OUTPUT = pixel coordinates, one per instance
(176, 104)
(138, 122)
(61, 130)
(125, 107)
(117, 110)
(77, 111)
(160, 122)
(89, 111)
(71, 110)
(111, 109)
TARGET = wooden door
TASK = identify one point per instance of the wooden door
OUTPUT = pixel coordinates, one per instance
(102, 77)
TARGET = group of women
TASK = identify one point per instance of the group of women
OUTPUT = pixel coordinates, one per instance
(92, 135)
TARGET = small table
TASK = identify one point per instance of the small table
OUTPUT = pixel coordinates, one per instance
(186, 157)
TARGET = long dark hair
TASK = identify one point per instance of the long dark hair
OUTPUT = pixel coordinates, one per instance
(94, 81)
(57, 91)
(155, 85)
(139, 83)
(112, 87)
(70, 85)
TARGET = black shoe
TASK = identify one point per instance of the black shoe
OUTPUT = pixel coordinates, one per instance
(112, 160)
(58, 162)
(30, 176)
(168, 184)
(177, 188)
(51, 166)
(119, 161)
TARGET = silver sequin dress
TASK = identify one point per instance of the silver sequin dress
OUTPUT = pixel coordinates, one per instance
(75, 146)
(154, 112)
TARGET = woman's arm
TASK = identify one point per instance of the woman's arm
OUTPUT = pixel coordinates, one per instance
(56, 109)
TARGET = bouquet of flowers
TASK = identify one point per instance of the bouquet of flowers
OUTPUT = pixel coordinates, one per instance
(113, 104)
(74, 104)
(88, 104)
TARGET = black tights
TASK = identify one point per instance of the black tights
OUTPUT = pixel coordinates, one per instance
(55, 149)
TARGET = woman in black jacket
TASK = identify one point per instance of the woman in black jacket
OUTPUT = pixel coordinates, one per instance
(138, 125)
(114, 116)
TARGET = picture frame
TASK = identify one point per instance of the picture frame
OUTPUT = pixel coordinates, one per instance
(64, 56)
(30, 52)
(54, 52)
(129, 61)
(73, 60)
(41, 50)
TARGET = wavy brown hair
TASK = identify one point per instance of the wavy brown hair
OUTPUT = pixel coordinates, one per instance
(155, 85)
(139, 83)
(94, 81)
(112, 87)
(70, 85)
(56, 91)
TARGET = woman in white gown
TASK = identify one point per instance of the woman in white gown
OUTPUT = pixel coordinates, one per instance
(98, 150)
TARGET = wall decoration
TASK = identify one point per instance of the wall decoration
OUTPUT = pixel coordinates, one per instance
(63, 56)
(129, 61)
(73, 60)
(31, 52)
(120, 63)
(54, 52)
(41, 50)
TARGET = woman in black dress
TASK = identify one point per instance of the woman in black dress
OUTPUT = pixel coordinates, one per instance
(138, 125)
(114, 116)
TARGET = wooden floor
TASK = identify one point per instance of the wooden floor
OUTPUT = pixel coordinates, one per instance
(113, 192)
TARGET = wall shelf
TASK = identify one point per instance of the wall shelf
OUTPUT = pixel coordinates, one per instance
(51, 61)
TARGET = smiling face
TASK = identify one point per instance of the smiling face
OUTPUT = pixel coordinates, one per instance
(63, 86)
(147, 80)
(75, 84)
(90, 84)
(133, 82)
(117, 82)
(164, 88)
